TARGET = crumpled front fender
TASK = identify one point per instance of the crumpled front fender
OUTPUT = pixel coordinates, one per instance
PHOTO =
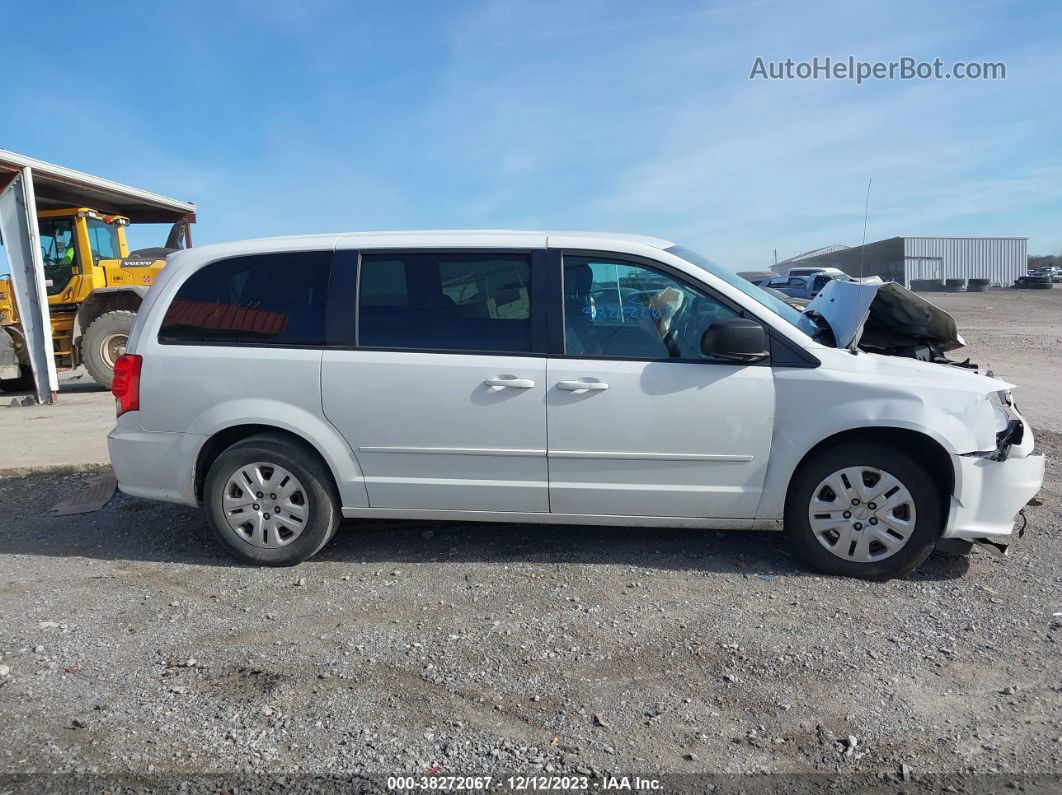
(810, 410)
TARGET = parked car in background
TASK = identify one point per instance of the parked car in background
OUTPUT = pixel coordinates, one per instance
(807, 287)
(778, 281)
(1053, 271)
(473, 376)
(811, 270)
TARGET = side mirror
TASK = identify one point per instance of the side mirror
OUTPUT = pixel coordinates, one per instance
(737, 339)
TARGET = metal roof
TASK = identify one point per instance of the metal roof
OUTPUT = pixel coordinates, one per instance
(58, 186)
(963, 237)
(814, 253)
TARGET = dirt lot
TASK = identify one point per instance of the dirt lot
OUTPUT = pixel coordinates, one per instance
(131, 646)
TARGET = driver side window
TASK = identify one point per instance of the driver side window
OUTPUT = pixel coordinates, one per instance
(58, 252)
(615, 309)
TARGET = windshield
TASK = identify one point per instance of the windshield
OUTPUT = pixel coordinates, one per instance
(103, 238)
(757, 294)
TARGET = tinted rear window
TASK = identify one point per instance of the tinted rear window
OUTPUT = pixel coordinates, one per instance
(446, 302)
(264, 299)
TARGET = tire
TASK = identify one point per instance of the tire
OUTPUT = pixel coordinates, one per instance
(104, 340)
(865, 558)
(315, 497)
(24, 383)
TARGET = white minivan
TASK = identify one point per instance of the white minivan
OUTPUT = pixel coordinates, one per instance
(562, 378)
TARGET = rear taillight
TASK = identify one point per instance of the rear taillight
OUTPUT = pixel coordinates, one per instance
(126, 384)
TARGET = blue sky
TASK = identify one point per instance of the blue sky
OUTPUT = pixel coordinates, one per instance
(294, 116)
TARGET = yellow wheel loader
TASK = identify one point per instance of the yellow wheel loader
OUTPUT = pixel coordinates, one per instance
(95, 286)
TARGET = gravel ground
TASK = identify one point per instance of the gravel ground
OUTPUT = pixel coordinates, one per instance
(134, 649)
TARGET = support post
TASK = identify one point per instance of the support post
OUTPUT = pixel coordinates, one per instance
(18, 226)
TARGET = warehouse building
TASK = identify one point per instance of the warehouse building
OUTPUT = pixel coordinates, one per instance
(1001, 260)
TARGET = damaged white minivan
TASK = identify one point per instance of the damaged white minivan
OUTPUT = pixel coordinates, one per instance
(562, 378)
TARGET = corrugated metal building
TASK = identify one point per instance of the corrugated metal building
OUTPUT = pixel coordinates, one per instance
(901, 259)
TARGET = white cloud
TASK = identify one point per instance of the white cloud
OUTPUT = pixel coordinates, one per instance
(650, 124)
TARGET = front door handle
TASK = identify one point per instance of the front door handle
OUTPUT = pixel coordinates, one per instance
(509, 380)
(576, 386)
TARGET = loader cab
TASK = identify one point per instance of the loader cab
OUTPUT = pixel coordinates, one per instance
(72, 242)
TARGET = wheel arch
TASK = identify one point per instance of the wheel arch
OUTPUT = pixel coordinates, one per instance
(921, 446)
(104, 300)
(225, 438)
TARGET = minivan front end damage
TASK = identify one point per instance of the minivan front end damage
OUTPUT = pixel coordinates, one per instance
(995, 471)
(992, 494)
(992, 483)
(993, 486)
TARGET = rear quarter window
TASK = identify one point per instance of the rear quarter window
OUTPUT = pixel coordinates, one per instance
(259, 299)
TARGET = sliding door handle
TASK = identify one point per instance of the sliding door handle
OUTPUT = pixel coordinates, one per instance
(508, 380)
(577, 386)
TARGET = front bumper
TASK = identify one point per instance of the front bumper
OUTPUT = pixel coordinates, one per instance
(154, 465)
(989, 494)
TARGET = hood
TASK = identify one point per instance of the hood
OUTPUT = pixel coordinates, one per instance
(913, 372)
(883, 316)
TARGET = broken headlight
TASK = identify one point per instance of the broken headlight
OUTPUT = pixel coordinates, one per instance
(1010, 430)
(1002, 418)
(1003, 407)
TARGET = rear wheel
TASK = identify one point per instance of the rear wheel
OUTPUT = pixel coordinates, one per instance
(104, 341)
(270, 501)
(863, 510)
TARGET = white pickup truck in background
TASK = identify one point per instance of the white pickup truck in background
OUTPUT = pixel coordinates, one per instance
(805, 285)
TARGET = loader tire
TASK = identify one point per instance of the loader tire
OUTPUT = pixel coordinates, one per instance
(104, 341)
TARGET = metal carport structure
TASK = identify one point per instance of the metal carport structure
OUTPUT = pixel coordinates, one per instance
(27, 184)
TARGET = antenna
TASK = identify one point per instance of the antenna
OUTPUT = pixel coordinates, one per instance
(866, 214)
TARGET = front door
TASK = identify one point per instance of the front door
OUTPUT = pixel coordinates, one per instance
(442, 398)
(639, 421)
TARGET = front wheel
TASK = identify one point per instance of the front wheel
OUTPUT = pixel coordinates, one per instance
(271, 501)
(863, 510)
